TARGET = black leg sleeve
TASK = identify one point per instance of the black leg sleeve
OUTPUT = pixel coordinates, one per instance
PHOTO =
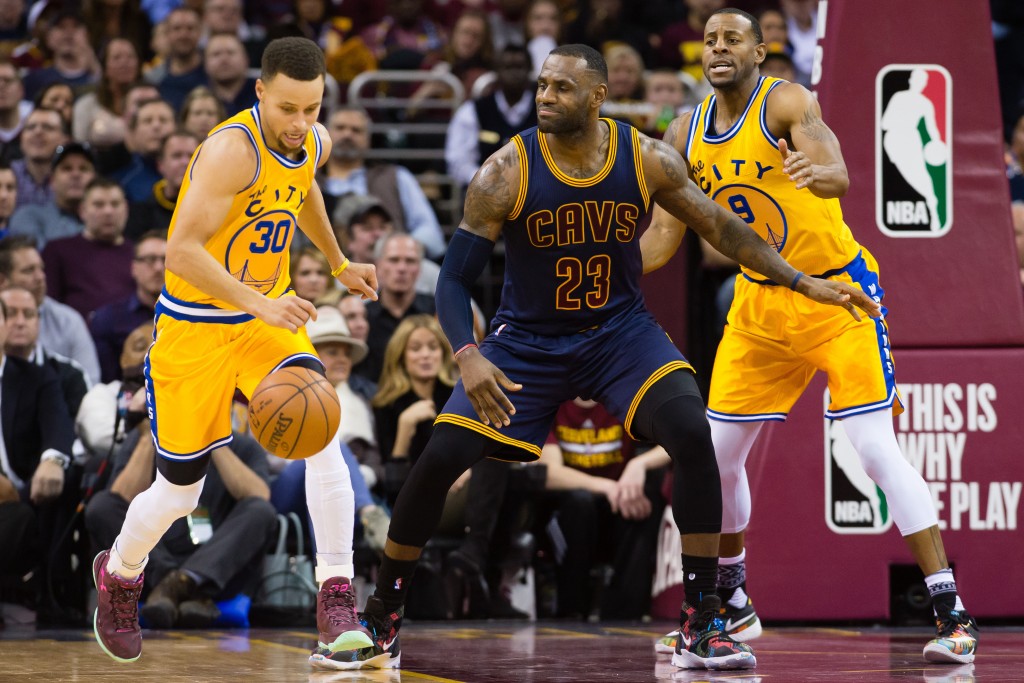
(672, 414)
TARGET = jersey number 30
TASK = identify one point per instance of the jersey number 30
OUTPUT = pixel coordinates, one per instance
(272, 237)
(571, 272)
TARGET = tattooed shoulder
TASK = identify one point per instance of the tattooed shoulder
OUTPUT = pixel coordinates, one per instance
(671, 164)
(491, 194)
(678, 127)
(812, 125)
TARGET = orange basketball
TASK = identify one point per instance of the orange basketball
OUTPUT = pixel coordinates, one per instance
(294, 413)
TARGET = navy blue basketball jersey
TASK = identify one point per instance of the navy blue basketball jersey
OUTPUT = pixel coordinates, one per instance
(572, 252)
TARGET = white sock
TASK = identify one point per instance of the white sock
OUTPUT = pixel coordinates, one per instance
(150, 515)
(332, 510)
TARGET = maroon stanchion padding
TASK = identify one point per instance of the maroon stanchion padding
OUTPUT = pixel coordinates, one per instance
(928, 193)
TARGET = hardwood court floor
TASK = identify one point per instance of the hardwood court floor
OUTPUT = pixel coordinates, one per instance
(474, 652)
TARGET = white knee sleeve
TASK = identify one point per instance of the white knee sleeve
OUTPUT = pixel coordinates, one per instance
(150, 515)
(733, 441)
(906, 492)
(332, 511)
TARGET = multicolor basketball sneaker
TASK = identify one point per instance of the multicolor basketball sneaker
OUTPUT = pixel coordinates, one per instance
(956, 638)
(336, 618)
(703, 643)
(116, 620)
(740, 624)
(386, 651)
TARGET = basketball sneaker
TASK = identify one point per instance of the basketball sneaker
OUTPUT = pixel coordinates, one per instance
(956, 637)
(740, 623)
(386, 651)
(336, 617)
(116, 620)
(702, 642)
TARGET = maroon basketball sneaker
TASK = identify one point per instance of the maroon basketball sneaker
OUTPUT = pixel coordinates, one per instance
(336, 618)
(116, 621)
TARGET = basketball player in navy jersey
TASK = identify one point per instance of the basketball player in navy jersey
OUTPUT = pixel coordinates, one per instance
(568, 197)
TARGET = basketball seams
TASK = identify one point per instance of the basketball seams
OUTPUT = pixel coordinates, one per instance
(305, 383)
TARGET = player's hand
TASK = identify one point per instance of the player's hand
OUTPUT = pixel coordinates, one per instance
(796, 165)
(360, 278)
(839, 294)
(47, 482)
(289, 312)
(484, 383)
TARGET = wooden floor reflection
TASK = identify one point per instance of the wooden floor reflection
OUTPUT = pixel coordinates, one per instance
(491, 652)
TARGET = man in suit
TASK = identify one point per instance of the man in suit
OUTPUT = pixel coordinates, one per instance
(36, 434)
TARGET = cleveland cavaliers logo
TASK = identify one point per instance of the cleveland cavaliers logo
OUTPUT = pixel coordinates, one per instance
(255, 254)
(913, 150)
(758, 210)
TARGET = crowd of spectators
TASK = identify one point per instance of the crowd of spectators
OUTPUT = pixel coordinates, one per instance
(102, 104)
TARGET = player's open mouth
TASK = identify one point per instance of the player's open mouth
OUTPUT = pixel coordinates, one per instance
(294, 139)
(720, 67)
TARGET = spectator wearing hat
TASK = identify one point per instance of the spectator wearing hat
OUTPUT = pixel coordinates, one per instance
(73, 168)
(111, 324)
(93, 268)
(45, 130)
(360, 221)
(395, 187)
(339, 350)
(74, 61)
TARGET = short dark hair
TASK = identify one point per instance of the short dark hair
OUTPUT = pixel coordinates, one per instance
(518, 49)
(595, 62)
(101, 183)
(133, 122)
(755, 25)
(176, 133)
(9, 245)
(298, 58)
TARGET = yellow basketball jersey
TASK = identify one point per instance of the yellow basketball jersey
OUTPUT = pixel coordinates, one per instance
(741, 169)
(252, 244)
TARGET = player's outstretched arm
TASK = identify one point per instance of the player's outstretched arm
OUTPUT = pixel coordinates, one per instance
(358, 278)
(665, 172)
(810, 151)
(491, 197)
(224, 167)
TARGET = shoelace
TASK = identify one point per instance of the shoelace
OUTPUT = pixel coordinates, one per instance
(340, 604)
(124, 603)
(955, 620)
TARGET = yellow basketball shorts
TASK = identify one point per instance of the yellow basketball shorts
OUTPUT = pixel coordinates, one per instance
(777, 339)
(194, 366)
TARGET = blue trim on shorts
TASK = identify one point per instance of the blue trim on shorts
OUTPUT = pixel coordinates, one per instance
(865, 408)
(192, 312)
(297, 356)
(755, 417)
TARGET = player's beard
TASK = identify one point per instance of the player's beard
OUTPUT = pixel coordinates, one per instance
(568, 122)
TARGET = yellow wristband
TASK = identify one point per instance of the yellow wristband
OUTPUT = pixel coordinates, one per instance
(340, 269)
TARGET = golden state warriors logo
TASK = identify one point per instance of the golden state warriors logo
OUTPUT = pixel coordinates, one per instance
(255, 255)
(913, 150)
(758, 210)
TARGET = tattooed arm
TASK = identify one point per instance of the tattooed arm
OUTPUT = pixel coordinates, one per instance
(492, 194)
(666, 176)
(810, 150)
(491, 197)
(662, 238)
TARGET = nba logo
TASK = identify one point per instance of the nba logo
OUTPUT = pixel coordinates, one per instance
(853, 502)
(914, 150)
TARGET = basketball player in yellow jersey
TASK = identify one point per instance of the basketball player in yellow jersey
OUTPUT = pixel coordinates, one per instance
(225, 320)
(758, 146)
